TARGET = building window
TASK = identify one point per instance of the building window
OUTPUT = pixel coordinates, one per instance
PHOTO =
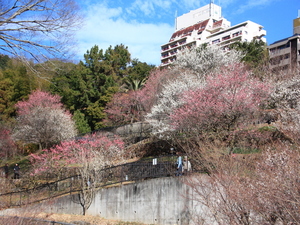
(236, 34)
(226, 38)
(216, 41)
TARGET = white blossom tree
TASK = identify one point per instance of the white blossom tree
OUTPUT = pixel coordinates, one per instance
(43, 120)
(204, 60)
(193, 65)
(285, 102)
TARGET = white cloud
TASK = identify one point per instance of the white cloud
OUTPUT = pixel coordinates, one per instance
(142, 25)
(106, 26)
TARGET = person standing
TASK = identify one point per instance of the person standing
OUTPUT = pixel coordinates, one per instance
(16, 171)
(6, 170)
(179, 166)
(187, 167)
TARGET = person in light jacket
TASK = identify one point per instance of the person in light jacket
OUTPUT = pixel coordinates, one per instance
(187, 167)
(179, 166)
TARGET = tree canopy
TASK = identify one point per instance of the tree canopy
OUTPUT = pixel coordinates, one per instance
(43, 120)
(89, 87)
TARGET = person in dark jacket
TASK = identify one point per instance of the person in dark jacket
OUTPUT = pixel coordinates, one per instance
(16, 171)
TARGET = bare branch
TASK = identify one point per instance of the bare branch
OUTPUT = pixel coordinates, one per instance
(38, 29)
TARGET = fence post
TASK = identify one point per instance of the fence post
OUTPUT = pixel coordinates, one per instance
(10, 199)
(121, 174)
(71, 184)
(28, 196)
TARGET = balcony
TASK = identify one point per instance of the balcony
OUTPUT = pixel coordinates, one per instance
(277, 52)
(262, 33)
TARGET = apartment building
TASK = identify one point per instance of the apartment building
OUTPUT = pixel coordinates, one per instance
(206, 25)
(285, 54)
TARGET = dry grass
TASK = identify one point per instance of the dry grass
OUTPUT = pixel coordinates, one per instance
(66, 218)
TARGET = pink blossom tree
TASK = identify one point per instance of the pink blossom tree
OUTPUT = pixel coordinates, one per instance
(227, 99)
(189, 72)
(124, 108)
(88, 155)
(43, 120)
(8, 147)
(131, 106)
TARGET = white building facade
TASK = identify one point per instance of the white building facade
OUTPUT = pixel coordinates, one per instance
(207, 26)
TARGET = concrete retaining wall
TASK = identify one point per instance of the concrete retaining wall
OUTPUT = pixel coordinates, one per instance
(155, 201)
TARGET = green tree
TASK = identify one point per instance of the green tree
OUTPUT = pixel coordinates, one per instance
(255, 54)
(16, 83)
(81, 122)
(134, 84)
(91, 84)
(138, 73)
(138, 70)
(6, 104)
(3, 61)
(113, 62)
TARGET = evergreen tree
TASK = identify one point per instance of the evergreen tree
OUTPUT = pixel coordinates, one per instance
(16, 83)
(81, 122)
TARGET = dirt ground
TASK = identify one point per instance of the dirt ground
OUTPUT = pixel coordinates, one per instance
(82, 220)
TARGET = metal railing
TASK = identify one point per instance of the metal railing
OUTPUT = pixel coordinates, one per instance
(129, 172)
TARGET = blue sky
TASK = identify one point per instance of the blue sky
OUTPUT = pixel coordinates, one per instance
(144, 25)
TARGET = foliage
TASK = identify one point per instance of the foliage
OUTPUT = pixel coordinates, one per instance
(191, 68)
(16, 83)
(37, 28)
(94, 148)
(222, 104)
(8, 147)
(90, 86)
(112, 62)
(124, 108)
(3, 61)
(255, 53)
(89, 154)
(218, 104)
(285, 106)
(138, 70)
(81, 123)
(134, 84)
(43, 120)
(204, 59)
(274, 190)
(131, 106)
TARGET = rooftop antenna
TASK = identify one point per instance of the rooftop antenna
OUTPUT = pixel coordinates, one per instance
(176, 20)
(210, 7)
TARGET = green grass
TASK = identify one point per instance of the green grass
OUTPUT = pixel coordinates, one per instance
(267, 128)
(246, 150)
